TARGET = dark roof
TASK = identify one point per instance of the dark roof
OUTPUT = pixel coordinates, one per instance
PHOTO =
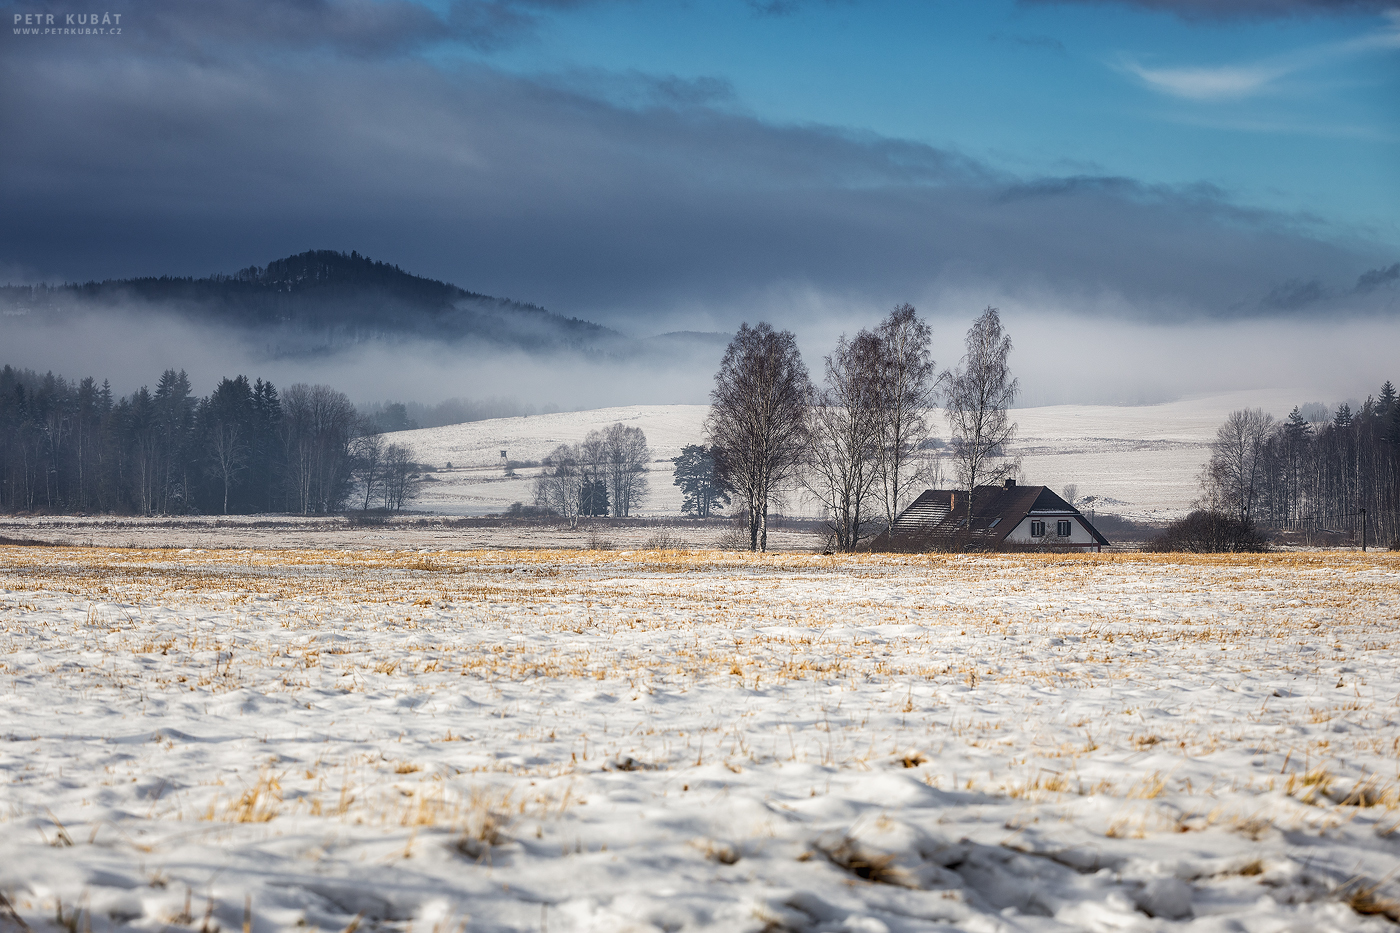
(941, 514)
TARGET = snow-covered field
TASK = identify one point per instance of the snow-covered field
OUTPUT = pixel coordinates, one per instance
(410, 531)
(615, 741)
(1143, 460)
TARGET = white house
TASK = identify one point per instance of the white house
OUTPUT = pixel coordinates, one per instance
(1008, 514)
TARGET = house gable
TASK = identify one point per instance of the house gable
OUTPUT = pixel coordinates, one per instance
(1060, 528)
(999, 514)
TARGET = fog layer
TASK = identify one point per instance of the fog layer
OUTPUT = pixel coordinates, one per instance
(1060, 359)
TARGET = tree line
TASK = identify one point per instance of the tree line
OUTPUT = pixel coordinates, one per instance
(1312, 477)
(604, 474)
(246, 447)
(859, 442)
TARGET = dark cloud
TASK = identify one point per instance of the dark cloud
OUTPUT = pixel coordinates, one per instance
(641, 204)
(1241, 9)
(1295, 294)
(361, 28)
(1372, 279)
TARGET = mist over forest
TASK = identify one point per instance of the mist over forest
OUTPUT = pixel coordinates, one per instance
(383, 334)
(343, 318)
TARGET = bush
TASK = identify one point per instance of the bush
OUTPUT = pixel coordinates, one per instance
(520, 510)
(663, 540)
(1210, 533)
(734, 538)
(368, 516)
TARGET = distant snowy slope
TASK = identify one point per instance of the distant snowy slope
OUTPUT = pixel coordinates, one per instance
(1191, 420)
(1144, 460)
(476, 484)
(479, 443)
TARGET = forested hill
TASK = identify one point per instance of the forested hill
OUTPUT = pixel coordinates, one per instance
(320, 299)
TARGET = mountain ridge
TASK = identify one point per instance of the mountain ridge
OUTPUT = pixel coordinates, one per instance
(324, 299)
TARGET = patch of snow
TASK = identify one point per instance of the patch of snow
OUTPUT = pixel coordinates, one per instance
(525, 741)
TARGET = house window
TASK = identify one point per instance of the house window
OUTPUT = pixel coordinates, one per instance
(1037, 529)
(1063, 528)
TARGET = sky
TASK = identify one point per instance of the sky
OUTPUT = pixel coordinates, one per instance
(1214, 179)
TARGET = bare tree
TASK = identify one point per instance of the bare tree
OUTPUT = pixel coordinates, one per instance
(626, 455)
(758, 416)
(401, 477)
(980, 391)
(845, 429)
(560, 483)
(1070, 492)
(908, 381)
(1233, 474)
(318, 427)
(369, 464)
(228, 455)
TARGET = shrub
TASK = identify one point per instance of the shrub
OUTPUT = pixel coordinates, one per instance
(520, 510)
(1205, 532)
(663, 539)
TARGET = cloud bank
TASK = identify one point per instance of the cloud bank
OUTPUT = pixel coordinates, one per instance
(213, 140)
(614, 212)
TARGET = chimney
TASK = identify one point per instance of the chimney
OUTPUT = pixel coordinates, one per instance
(1010, 483)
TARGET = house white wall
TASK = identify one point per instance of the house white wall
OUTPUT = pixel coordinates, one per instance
(1080, 535)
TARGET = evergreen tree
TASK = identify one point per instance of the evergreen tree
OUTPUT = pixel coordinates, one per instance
(266, 448)
(227, 425)
(1297, 428)
(593, 498)
(701, 480)
(1385, 406)
(173, 453)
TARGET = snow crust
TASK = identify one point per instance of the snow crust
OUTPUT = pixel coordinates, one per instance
(651, 741)
(1141, 462)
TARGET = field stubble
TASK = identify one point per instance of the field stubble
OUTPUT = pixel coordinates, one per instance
(676, 740)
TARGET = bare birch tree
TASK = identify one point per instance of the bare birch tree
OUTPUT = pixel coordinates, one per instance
(758, 416)
(401, 477)
(369, 464)
(591, 456)
(845, 425)
(318, 428)
(626, 457)
(1236, 466)
(560, 483)
(980, 391)
(909, 384)
(228, 455)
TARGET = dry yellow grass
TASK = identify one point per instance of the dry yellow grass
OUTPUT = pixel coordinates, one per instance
(544, 616)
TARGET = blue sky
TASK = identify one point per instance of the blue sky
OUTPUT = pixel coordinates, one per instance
(1299, 114)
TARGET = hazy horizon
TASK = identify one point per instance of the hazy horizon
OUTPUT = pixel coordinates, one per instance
(1163, 198)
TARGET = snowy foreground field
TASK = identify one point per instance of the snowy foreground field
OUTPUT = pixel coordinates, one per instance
(611, 741)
